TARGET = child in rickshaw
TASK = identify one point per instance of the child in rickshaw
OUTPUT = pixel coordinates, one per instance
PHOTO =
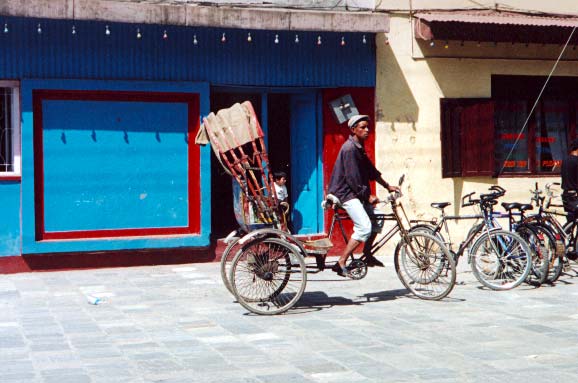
(279, 183)
(350, 178)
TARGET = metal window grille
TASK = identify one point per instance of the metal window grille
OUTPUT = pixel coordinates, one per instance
(6, 131)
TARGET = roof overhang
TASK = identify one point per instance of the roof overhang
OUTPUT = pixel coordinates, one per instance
(186, 14)
(494, 26)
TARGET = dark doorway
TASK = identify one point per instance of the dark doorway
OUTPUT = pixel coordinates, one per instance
(222, 214)
(279, 138)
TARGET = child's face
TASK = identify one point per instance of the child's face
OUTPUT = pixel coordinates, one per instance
(281, 181)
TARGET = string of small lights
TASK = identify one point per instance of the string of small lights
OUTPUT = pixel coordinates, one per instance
(165, 35)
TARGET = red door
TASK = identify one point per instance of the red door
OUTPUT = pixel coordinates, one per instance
(334, 135)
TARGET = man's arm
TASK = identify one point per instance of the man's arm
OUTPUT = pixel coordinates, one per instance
(373, 199)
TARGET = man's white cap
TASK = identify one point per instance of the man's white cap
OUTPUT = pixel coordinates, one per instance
(357, 118)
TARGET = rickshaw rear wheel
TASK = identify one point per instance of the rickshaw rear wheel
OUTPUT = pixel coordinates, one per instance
(268, 276)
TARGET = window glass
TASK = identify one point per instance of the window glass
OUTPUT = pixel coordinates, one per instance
(6, 131)
(550, 137)
(511, 141)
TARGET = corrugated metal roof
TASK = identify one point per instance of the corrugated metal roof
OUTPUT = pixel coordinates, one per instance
(498, 17)
(91, 53)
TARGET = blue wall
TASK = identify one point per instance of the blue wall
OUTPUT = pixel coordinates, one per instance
(10, 243)
(114, 165)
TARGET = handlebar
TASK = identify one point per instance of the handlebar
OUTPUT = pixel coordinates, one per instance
(487, 198)
(470, 201)
(498, 189)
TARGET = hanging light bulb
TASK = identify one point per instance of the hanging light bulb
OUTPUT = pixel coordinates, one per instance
(276, 39)
(106, 31)
(73, 30)
(386, 39)
(364, 40)
(318, 40)
(39, 29)
(478, 44)
(432, 43)
(342, 41)
(165, 35)
(249, 38)
(138, 34)
(223, 38)
(5, 27)
(195, 42)
(296, 39)
(446, 45)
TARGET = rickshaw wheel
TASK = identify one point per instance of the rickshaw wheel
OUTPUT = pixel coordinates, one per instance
(357, 269)
(268, 276)
(425, 266)
(226, 262)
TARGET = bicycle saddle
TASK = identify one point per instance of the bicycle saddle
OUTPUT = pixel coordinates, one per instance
(526, 206)
(440, 205)
(511, 205)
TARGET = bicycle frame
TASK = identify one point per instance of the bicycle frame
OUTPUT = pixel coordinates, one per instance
(382, 239)
(564, 232)
(488, 216)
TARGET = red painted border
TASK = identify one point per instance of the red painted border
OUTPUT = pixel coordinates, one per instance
(91, 260)
(10, 178)
(194, 216)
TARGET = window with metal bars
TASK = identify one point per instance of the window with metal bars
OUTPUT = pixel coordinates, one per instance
(6, 130)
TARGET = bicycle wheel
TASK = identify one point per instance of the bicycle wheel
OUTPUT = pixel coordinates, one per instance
(268, 276)
(556, 251)
(227, 260)
(571, 229)
(424, 266)
(541, 249)
(500, 260)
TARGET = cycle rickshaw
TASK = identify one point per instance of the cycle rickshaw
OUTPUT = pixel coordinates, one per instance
(265, 266)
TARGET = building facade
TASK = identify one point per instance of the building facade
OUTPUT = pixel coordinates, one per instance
(101, 101)
(474, 95)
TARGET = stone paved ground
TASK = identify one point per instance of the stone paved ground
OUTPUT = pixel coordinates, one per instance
(179, 324)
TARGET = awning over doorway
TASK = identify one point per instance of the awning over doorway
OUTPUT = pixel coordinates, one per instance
(494, 26)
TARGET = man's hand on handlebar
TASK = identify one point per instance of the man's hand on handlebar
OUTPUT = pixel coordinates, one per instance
(393, 189)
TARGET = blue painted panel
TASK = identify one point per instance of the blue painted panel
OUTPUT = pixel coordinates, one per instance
(115, 165)
(29, 243)
(10, 223)
(91, 54)
(305, 190)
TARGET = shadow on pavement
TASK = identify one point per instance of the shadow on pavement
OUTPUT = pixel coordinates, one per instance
(319, 300)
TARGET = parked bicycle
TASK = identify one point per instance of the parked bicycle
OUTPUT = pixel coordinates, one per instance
(565, 234)
(500, 259)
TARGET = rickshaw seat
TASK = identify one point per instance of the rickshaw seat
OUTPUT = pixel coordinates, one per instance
(331, 201)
